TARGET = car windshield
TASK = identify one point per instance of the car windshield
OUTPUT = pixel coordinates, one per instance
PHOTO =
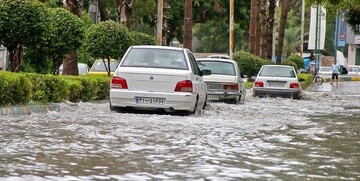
(100, 67)
(274, 71)
(325, 69)
(155, 58)
(218, 67)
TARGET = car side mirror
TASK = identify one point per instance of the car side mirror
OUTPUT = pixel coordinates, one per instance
(301, 80)
(205, 72)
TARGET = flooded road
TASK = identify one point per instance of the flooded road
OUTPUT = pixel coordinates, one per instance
(317, 138)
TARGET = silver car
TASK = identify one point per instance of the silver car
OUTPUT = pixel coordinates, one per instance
(277, 81)
(224, 83)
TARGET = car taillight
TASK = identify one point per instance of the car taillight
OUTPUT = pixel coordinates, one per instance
(184, 86)
(294, 85)
(118, 83)
(259, 84)
(231, 87)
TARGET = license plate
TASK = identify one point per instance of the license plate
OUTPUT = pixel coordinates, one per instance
(212, 97)
(214, 86)
(276, 84)
(149, 100)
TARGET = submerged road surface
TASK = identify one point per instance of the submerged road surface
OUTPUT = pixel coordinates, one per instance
(316, 138)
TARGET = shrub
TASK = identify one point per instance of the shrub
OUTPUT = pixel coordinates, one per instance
(250, 64)
(297, 60)
(142, 38)
(14, 89)
(24, 87)
(290, 63)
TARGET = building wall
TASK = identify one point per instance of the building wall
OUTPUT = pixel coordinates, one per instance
(352, 54)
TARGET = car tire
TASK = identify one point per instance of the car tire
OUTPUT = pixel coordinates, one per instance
(115, 109)
(205, 103)
(235, 101)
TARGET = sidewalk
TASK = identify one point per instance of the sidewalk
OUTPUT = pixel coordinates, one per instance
(327, 78)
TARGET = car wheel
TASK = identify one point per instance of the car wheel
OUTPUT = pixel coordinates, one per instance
(115, 109)
(236, 100)
(205, 103)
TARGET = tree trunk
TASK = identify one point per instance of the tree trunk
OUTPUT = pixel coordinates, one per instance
(70, 61)
(264, 27)
(188, 24)
(284, 12)
(17, 58)
(271, 23)
(124, 11)
(253, 25)
(104, 15)
(258, 28)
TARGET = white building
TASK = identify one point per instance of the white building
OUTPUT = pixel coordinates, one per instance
(353, 42)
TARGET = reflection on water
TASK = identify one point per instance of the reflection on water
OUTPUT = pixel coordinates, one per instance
(263, 139)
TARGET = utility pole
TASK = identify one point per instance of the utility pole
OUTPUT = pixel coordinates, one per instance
(188, 25)
(159, 24)
(302, 27)
(231, 37)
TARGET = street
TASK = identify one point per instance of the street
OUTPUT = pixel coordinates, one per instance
(316, 138)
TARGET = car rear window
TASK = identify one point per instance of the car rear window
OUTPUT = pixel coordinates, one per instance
(218, 67)
(273, 71)
(100, 67)
(155, 58)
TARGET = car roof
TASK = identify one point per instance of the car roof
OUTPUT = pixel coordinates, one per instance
(219, 55)
(216, 59)
(159, 47)
(277, 66)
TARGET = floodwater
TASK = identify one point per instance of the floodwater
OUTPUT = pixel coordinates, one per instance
(317, 138)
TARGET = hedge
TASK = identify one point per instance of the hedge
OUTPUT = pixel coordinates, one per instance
(22, 88)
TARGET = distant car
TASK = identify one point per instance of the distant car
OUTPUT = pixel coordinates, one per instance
(158, 77)
(219, 56)
(83, 69)
(224, 83)
(325, 70)
(277, 81)
(98, 67)
(354, 70)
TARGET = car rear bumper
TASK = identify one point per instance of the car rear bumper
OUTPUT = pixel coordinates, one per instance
(177, 101)
(261, 92)
(221, 95)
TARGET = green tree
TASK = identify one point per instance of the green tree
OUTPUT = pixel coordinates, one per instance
(142, 38)
(65, 33)
(106, 40)
(212, 25)
(21, 24)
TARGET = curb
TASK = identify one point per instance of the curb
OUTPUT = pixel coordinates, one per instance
(27, 110)
(343, 79)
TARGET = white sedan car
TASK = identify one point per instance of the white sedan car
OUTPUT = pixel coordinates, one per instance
(354, 70)
(325, 70)
(277, 81)
(224, 83)
(158, 77)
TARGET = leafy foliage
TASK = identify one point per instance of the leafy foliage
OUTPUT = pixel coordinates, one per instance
(21, 22)
(290, 63)
(299, 62)
(65, 32)
(107, 39)
(142, 38)
(250, 64)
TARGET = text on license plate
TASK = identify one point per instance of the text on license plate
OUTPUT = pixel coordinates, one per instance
(276, 84)
(149, 100)
(213, 97)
